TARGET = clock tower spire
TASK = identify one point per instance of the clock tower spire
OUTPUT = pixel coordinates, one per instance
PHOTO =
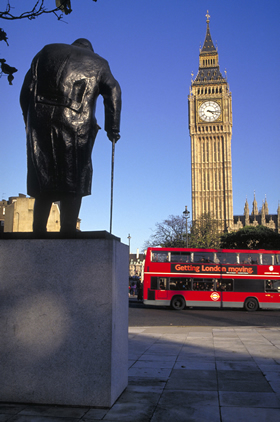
(210, 126)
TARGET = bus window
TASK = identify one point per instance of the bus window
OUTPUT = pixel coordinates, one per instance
(224, 286)
(154, 283)
(275, 259)
(180, 284)
(226, 258)
(248, 258)
(158, 283)
(159, 256)
(180, 257)
(248, 285)
(203, 257)
(203, 285)
(162, 283)
(272, 286)
(266, 259)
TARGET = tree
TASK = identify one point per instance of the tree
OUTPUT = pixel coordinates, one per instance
(171, 233)
(39, 8)
(251, 237)
(205, 232)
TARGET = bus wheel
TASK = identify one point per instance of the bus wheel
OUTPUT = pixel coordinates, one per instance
(251, 304)
(178, 303)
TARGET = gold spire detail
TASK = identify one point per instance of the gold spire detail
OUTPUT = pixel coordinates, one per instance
(207, 16)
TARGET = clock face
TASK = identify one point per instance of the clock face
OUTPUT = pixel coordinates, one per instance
(209, 111)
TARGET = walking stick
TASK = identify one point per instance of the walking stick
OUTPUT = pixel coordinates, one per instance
(112, 183)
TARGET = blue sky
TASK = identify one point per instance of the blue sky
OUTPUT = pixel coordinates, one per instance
(153, 47)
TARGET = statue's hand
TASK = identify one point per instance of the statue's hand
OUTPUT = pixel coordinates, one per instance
(114, 137)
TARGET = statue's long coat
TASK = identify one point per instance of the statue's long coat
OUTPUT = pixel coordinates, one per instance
(58, 99)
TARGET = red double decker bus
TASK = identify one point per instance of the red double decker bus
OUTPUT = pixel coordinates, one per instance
(176, 277)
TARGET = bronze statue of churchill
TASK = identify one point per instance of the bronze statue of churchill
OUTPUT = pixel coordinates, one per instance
(58, 100)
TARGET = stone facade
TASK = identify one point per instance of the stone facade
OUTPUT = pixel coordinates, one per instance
(136, 263)
(210, 127)
(17, 215)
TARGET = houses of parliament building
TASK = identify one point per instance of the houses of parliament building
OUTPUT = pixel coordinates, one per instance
(210, 127)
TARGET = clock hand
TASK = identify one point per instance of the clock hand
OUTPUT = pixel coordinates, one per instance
(211, 111)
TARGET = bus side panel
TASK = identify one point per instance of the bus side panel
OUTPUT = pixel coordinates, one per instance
(157, 302)
(234, 299)
(269, 300)
(237, 299)
(201, 298)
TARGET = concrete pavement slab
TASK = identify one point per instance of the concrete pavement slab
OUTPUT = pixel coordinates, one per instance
(162, 373)
(237, 366)
(245, 414)
(11, 409)
(186, 374)
(186, 414)
(133, 406)
(197, 365)
(250, 399)
(155, 358)
(54, 411)
(249, 381)
(4, 418)
(190, 379)
(153, 364)
(24, 418)
(275, 385)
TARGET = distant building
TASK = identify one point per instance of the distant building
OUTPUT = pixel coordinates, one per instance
(258, 217)
(136, 262)
(16, 215)
(3, 206)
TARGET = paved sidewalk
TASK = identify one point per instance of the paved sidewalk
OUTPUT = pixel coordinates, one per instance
(186, 374)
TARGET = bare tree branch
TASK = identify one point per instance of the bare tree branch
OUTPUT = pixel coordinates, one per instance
(39, 8)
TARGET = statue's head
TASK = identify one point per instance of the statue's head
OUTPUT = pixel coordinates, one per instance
(83, 43)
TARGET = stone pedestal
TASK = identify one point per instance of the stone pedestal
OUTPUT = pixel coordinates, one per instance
(64, 320)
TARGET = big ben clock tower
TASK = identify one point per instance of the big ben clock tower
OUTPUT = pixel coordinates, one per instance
(210, 126)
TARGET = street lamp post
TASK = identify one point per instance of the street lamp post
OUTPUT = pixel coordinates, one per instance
(187, 215)
(129, 237)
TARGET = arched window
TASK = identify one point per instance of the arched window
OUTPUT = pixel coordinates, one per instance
(215, 152)
(204, 181)
(203, 151)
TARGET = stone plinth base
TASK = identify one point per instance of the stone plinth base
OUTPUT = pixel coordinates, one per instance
(64, 320)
